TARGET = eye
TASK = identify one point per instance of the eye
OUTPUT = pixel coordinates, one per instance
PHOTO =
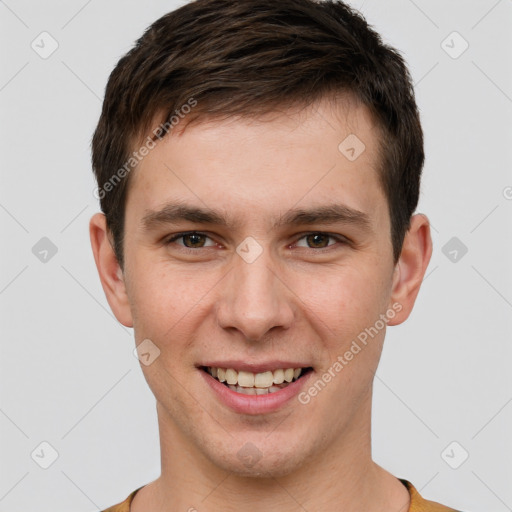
(319, 240)
(192, 240)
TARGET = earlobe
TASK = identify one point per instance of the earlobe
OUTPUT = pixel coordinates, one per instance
(110, 273)
(411, 267)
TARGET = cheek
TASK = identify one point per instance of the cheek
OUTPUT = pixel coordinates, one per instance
(343, 294)
(343, 308)
(167, 301)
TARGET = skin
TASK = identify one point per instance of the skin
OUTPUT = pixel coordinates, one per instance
(294, 302)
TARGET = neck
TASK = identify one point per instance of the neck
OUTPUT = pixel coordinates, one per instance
(338, 477)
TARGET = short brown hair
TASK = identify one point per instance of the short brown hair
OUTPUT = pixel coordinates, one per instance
(251, 57)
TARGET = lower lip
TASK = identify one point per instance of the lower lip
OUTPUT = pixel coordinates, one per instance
(255, 404)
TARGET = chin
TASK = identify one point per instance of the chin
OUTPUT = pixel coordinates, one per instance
(275, 467)
(261, 458)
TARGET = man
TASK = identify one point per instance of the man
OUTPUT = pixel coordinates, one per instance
(258, 167)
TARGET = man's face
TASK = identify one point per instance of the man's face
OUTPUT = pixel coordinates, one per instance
(261, 292)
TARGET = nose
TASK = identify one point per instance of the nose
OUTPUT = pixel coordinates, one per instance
(255, 299)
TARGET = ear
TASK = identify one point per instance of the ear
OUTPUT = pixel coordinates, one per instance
(410, 268)
(109, 270)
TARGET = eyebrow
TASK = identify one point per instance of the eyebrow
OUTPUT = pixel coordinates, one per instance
(173, 213)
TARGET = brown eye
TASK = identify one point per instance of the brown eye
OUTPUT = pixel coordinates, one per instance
(318, 240)
(191, 240)
(195, 239)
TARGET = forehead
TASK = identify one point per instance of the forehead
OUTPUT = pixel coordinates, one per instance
(271, 163)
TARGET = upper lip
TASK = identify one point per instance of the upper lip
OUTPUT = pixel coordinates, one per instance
(255, 367)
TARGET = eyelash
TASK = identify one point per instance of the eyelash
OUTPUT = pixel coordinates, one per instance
(338, 238)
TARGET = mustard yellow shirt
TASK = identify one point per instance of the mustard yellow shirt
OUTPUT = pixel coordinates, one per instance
(418, 504)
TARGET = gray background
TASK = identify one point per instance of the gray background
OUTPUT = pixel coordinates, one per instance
(68, 374)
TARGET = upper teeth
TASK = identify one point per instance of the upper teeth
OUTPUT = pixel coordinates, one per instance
(258, 380)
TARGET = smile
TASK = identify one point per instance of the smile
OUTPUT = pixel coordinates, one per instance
(248, 383)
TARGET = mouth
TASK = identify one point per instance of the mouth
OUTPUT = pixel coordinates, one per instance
(264, 383)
